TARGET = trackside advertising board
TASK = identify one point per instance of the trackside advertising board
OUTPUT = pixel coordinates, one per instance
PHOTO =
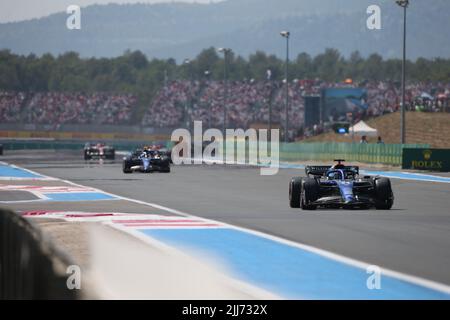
(426, 159)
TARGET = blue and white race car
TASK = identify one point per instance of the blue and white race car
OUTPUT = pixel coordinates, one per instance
(146, 160)
(339, 186)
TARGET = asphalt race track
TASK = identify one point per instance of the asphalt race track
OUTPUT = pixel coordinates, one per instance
(412, 238)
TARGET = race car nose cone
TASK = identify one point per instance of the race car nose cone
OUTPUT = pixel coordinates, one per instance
(349, 200)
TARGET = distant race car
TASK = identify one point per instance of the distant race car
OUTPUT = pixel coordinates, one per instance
(98, 151)
(146, 160)
(339, 186)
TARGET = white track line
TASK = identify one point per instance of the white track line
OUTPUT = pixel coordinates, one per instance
(334, 256)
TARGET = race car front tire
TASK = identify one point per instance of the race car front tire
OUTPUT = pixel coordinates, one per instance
(295, 189)
(126, 168)
(310, 193)
(383, 193)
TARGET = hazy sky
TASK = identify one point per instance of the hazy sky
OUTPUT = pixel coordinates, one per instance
(16, 10)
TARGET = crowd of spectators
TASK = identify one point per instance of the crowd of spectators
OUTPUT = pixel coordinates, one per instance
(10, 106)
(170, 106)
(56, 108)
(248, 102)
(78, 108)
(385, 97)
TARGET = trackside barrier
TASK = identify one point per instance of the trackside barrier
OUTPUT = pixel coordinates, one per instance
(368, 153)
(66, 145)
(328, 151)
(324, 151)
(28, 262)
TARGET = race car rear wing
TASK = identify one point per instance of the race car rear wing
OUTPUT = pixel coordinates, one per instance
(316, 170)
(321, 170)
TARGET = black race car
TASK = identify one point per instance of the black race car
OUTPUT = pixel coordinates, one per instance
(145, 160)
(339, 186)
(98, 151)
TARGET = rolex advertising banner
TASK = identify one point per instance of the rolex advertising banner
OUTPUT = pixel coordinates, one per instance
(426, 159)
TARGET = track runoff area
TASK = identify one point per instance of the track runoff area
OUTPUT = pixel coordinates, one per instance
(242, 219)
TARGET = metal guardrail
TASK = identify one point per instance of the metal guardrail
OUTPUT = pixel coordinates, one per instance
(27, 262)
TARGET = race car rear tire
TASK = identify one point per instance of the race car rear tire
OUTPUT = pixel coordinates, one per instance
(295, 189)
(166, 170)
(383, 193)
(310, 193)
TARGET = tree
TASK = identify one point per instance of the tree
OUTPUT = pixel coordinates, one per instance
(208, 59)
(137, 60)
(327, 65)
(303, 66)
(373, 68)
(259, 63)
(133, 72)
(354, 66)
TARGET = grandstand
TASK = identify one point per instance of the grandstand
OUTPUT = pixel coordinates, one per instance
(180, 102)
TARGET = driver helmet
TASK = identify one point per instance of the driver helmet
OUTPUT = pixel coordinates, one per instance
(334, 175)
